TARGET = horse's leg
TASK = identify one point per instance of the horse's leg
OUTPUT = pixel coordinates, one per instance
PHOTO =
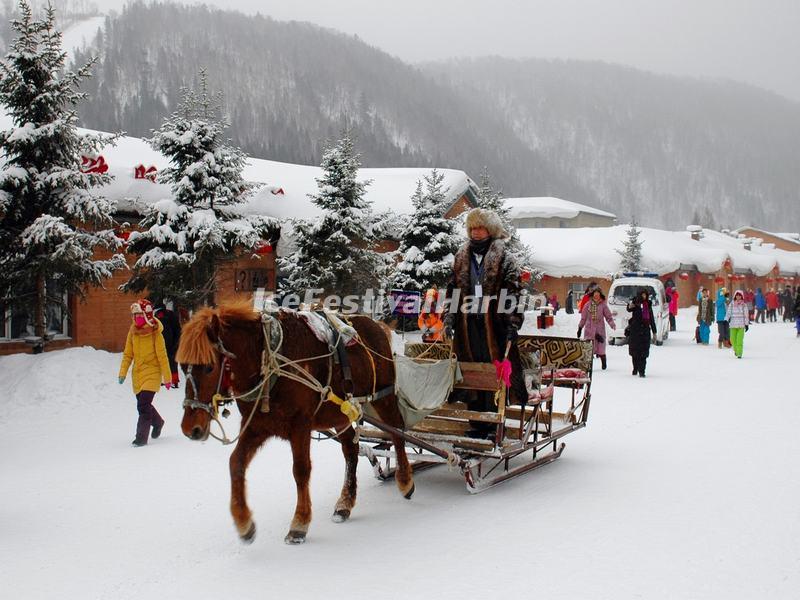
(403, 475)
(244, 452)
(301, 455)
(347, 499)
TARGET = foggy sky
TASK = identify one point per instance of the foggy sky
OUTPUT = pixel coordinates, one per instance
(754, 41)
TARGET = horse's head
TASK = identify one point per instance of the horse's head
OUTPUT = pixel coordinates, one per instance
(220, 355)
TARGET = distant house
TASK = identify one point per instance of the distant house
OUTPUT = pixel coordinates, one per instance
(570, 259)
(534, 213)
(784, 241)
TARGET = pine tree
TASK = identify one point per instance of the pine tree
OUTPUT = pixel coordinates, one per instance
(184, 238)
(335, 251)
(51, 222)
(631, 254)
(429, 241)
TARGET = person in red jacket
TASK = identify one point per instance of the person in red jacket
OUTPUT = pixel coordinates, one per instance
(772, 305)
(587, 295)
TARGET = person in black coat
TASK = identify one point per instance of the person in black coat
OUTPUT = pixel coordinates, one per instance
(172, 336)
(640, 327)
(569, 303)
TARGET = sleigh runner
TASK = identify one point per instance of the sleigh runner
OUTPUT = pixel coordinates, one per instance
(521, 438)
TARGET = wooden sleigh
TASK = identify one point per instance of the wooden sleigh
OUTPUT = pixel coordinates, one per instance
(521, 438)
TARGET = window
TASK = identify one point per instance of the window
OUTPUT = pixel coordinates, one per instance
(249, 280)
(622, 294)
(578, 289)
(17, 323)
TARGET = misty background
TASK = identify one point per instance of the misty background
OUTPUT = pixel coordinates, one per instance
(526, 90)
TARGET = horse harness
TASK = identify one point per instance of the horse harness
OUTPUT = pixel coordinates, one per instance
(275, 365)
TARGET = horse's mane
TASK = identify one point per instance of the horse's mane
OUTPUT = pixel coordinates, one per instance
(196, 347)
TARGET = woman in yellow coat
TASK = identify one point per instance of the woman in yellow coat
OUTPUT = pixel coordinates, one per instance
(145, 348)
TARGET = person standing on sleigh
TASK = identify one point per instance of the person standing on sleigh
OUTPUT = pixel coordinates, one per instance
(594, 316)
(481, 329)
(145, 349)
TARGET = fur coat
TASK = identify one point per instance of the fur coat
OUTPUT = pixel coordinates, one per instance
(499, 272)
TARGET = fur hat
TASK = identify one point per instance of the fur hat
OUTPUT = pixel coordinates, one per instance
(481, 217)
(144, 308)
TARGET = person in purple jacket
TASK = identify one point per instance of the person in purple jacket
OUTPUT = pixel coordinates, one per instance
(594, 315)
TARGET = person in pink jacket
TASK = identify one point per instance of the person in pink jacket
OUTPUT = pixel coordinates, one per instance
(594, 315)
(673, 306)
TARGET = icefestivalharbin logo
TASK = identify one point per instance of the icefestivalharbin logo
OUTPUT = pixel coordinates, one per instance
(370, 302)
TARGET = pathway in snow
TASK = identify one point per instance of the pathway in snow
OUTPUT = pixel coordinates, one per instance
(683, 485)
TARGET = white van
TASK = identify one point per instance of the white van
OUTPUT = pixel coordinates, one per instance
(622, 290)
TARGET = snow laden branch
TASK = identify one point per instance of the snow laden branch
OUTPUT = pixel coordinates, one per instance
(52, 220)
(183, 238)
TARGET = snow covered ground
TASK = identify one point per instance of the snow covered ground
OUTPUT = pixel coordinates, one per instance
(684, 485)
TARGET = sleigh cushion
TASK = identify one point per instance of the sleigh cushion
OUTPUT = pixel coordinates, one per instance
(567, 374)
(545, 394)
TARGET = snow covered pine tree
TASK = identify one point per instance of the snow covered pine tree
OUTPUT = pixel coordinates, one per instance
(184, 238)
(429, 241)
(631, 254)
(335, 252)
(50, 223)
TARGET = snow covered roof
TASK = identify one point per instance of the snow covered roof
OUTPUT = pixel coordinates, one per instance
(591, 252)
(789, 237)
(548, 207)
(286, 186)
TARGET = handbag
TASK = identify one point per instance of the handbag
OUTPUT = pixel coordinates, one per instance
(697, 334)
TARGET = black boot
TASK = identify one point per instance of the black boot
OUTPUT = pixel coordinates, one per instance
(603, 361)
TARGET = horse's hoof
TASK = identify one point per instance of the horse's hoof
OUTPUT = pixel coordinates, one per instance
(410, 492)
(248, 536)
(340, 516)
(295, 537)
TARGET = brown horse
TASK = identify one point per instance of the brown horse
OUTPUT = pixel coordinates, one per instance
(294, 409)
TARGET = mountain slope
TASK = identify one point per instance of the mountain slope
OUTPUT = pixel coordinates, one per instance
(290, 86)
(654, 146)
(657, 147)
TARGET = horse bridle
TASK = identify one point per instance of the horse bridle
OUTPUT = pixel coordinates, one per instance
(217, 400)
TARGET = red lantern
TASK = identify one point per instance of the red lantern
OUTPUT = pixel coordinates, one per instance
(263, 248)
(525, 276)
(769, 280)
(684, 276)
(719, 280)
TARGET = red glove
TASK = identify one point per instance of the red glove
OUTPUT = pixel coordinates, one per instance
(175, 379)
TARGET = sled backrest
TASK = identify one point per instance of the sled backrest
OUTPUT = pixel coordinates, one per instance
(558, 352)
